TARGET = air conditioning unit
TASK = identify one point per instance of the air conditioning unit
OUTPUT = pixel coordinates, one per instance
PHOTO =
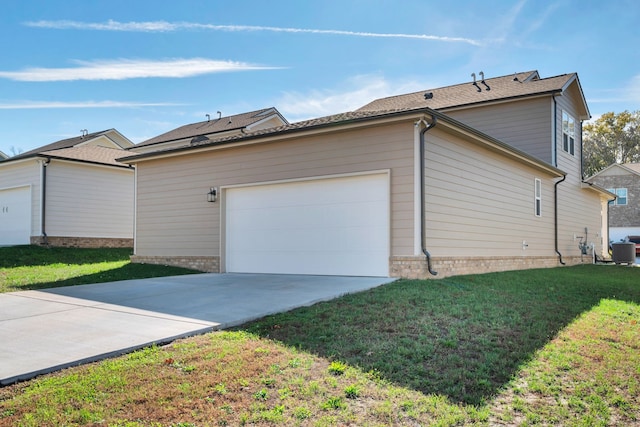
(624, 252)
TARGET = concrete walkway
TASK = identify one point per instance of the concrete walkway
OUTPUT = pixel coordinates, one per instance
(48, 330)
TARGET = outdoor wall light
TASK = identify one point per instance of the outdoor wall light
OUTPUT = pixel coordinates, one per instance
(212, 195)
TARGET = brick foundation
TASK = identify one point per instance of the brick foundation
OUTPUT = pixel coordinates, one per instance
(209, 264)
(82, 242)
(416, 267)
(408, 267)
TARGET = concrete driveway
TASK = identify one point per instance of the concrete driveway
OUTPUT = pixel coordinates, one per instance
(47, 330)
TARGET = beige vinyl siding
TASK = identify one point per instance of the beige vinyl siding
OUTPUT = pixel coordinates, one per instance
(567, 162)
(22, 173)
(89, 200)
(524, 124)
(479, 203)
(579, 208)
(175, 219)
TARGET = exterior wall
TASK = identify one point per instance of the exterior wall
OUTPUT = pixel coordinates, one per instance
(89, 201)
(480, 213)
(580, 210)
(21, 173)
(524, 124)
(482, 204)
(175, 220)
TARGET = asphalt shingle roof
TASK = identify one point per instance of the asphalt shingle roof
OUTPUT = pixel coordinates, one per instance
(493, 89)
(216, 125)
(63, 143)
(88, 154)
(73, 149)
(499, 88)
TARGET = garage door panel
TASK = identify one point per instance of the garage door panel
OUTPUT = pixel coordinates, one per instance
(330, 226)
(15, 216)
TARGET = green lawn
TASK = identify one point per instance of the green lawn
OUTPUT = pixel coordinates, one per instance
(35, 267)
(539, 347)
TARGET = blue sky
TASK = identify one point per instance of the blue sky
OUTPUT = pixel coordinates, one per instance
(146, 67)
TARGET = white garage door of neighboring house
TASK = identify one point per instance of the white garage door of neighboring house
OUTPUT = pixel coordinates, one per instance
(15, 216)
(333, 226)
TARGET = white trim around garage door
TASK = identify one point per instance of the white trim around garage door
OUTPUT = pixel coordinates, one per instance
(323, 225)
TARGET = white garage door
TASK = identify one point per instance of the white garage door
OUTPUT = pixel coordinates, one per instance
(336, 226)
(15, 216)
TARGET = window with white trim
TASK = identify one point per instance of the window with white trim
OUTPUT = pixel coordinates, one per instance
(621, 194)
(568, 133)
(538, 197)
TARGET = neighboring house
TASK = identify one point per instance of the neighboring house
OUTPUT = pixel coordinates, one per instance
(481, 176)
(3, 156)
(220, 127)
(72, 192)
(623, 180)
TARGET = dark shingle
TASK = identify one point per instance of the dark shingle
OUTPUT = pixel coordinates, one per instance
(63, 143)
(460, 95)
(88, 154)
(208, 127)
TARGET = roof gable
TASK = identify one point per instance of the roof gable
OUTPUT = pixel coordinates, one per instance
(618, 169)
(496, 89)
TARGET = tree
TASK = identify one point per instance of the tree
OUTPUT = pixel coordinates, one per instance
(612, 138)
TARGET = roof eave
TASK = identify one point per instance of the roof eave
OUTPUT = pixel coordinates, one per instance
(90, 162)
(594, 187)
(247, 139)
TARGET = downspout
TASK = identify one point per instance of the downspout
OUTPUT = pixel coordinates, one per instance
(43, 202)
(555, 191)
(423, 238)
(581, 154)
(554, 154)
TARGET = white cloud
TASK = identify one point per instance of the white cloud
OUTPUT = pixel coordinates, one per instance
(634, 89)
(35, 105)
(362, 90)
(164, 26)
(129, 69)
(629, 93)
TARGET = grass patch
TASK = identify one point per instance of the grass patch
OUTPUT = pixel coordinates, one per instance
(463, 337)
(547, 347)
(36, 267)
